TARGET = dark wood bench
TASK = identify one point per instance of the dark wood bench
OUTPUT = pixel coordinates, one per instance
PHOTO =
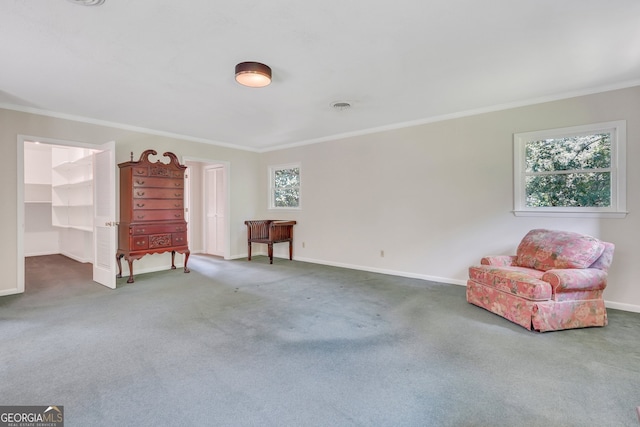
(270, 231)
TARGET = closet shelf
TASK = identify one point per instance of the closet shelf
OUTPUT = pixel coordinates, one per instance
(74, 164)
(72, 185)
(72, 205)
(75, 227)
(72, 197)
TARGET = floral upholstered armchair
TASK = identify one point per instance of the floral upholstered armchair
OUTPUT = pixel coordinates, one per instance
(555, 281)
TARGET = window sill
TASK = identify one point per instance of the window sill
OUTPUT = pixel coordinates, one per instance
(565, 214)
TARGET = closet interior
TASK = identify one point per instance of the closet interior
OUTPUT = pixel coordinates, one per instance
(58, 195)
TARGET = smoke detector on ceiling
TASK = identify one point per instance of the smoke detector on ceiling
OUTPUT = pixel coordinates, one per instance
(88, 2)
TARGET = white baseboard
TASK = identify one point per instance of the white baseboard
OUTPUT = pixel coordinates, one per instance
(41, 253)
(622, 306)
(386, 271)
(76, 258)
(12, 291)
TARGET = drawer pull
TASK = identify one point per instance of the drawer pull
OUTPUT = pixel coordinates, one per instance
(140, 205)
(179, 229)
(177, 205)
(140, 171)
(141, 230)
(177, 184)
(140, 243)
(140, 216)
(177, 194)
(139, 182)
(140, 193)
(177, 215)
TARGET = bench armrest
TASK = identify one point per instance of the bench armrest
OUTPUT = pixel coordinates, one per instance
(258, 229)
(282, 223)
(281, 230)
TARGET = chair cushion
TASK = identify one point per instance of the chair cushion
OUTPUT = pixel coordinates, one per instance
(520, 281)
(547, 249)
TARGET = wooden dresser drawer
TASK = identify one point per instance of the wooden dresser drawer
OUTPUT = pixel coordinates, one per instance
(158, 204)
(165, 172)
(157, 193)
(158, 215)
(140, 171)
(158, 182)
(139, 242)
(160, 241)
(179, 239)
(158, 229)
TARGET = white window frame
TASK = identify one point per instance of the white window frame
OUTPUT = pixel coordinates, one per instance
(271, 198)
(618, 131)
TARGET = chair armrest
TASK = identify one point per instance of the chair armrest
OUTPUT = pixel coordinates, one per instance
(499, 260)
(576, 279)
(282, 223)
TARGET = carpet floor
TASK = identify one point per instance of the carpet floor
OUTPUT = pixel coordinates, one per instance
(238, 343)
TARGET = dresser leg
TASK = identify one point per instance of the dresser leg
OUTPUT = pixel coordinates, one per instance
(173, 260)
(118, 258)
(130, 261)
(186, 259)
(270, 251)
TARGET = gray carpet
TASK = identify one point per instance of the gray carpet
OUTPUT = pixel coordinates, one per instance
(237, 343)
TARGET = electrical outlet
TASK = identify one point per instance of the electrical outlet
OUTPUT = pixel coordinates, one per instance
(381, 253)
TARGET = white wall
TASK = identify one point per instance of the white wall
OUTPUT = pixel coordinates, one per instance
(438, 197)
(40, 237)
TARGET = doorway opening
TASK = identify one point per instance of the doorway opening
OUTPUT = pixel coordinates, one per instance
(58, 198)
(64, 189)
(207, 196)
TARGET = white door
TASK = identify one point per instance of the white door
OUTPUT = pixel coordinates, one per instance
(214, 201)
(104, 221)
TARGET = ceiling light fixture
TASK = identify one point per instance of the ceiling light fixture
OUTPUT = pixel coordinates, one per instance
(253, 74)
(88, 2)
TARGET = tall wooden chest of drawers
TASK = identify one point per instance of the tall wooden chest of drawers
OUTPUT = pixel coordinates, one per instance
(151, 210)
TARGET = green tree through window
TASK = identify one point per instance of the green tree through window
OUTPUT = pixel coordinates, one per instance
(285, 187)
(570, 172)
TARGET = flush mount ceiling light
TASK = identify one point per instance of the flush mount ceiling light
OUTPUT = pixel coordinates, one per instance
(253, 74)
(88, 2)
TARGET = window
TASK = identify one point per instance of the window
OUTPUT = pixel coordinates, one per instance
(284, 188)
(577, 171)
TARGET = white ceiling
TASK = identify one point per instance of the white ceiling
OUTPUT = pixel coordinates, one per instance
(168, 65)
